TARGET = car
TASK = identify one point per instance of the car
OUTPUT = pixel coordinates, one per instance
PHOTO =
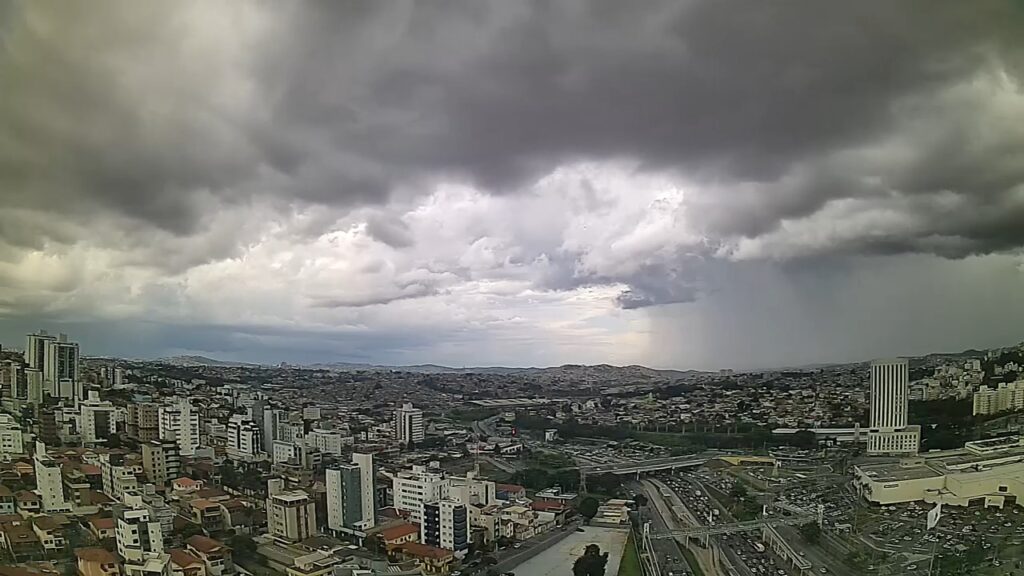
(912, 567)
(517, 545)
(823, 570)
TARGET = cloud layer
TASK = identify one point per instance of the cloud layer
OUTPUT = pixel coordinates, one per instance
(448, 178)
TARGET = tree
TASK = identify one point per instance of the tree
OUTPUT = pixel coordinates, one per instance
(373, 543)
(591, 563)
(242, 545)
(640, 500)
(588, 508)
(811, 532)
(191, 529)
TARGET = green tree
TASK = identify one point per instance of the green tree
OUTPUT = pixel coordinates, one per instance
(242, 545)
(811, 532)
(588, 508)
(591, 563)
(640, 500)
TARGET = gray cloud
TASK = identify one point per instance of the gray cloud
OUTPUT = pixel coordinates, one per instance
(168, 138)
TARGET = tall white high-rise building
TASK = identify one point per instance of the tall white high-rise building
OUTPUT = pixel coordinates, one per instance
(272, 421)
(350, 495)
(291, 514)
(35, 349)
(136, 532)
(49, 482)
(445, 525)
(890, 393)
(243, 438)
(96, 420)
(60, 367)
(411, 489)
(889, 432)
(180, 422)
(408, 424)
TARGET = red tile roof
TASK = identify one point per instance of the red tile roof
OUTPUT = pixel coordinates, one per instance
(182, 558)
(399, 531)
(204, 544)
(95, 555)
(423, 551)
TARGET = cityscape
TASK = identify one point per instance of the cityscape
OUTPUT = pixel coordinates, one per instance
(511, 288)
(198, 467)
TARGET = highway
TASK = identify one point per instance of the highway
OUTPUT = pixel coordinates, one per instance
(646, 465)
(669, 551)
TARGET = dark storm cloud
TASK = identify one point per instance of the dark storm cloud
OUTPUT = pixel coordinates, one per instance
(146, 113)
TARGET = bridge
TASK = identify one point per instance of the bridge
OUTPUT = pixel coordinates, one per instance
(647, 465)
(745, 526)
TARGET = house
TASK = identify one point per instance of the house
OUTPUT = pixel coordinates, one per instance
(214, 554)
(96, 562)
(186, 485)
(431, 560)
(399, 534)
(560, 510)
(236, 516)
(50, 531)
(28, 502)
(510, 492)
(102, 527)
(8, 505)
(19, 539)
(207, 514)
(212, 494)
(185, 564)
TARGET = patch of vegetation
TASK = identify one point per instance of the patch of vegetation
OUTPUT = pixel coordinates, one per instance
(630, 563)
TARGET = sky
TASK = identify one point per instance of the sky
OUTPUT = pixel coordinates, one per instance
(688, 184)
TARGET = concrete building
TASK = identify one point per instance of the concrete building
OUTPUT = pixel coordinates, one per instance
(96, 420)
(139, 540)
(986, 472)
(144, 421)
(326, 441)
(12, 441)
(472, 490)
(291, 514)
(1006, 396)
(445, 525)
(35, 349)
(60, 368)
(161, 461)
(49, 482)
(412, 488)
(350, 489)
(180, 423)
(272, 421)
(888, 430)
(118, 479)
(408, 424)
(243, 438)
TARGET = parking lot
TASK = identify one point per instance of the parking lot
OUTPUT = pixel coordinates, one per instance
(558, 560)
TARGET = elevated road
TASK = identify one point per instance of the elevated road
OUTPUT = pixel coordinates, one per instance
(647, 465)
(745, 526)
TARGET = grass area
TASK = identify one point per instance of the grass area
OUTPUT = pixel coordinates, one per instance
(549, 460)
(630, 564)
(691, 561)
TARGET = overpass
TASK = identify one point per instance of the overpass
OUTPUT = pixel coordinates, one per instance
(647, 465)
(746, 526)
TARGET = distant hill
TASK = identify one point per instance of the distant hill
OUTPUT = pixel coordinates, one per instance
(186, 361)
(578, 371)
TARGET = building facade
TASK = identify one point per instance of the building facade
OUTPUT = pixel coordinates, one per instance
(888, 429)
(291, 514)
(445, 525)
(408, 424)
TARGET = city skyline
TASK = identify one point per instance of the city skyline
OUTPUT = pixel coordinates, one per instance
(514, 183)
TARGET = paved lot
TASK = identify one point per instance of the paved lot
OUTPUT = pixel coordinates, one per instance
(557, 560)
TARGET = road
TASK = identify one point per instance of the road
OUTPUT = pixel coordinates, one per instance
(670, 555)
(509, 559)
